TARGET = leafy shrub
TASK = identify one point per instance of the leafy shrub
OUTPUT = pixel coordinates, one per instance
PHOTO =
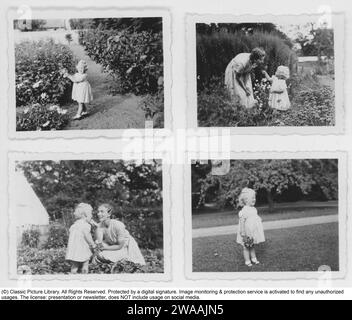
(216, 50)
(38, 77)
(57, 238)
(312, 105)
(134, 59)
(153, 107)
(31, 238)
(41, 117)
(52, 261)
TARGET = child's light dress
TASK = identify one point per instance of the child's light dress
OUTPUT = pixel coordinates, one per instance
(278, 98)
(253, 226)
(81, 90)
(79, 242)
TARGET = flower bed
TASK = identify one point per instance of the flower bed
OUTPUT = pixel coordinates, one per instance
(39, 117)
(38, 77)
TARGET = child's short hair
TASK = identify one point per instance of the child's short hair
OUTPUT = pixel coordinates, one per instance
(283, 71)
(82, 210)
(245, 195)
(82, 64)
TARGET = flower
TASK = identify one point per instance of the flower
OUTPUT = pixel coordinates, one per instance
(44, 95)
(37, 84)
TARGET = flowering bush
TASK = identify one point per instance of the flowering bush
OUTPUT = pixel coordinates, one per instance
(57, 238)
(40, 117)
(52, 261)
(134, 59)
(153, 107)
(312, 105)
(38, 77)
(31, 237)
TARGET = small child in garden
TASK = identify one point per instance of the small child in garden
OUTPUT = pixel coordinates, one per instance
(80, 241)
(278, 98)
(250, 231)
(81, 91)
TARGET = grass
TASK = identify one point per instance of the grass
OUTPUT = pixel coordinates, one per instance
(216, 219)
(294, 249)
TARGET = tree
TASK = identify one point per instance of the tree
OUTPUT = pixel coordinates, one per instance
(272, 177)
(62, 184)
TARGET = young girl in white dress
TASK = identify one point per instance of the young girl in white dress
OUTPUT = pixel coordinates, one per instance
(80, 241)
(81, 90)
(250, 226)
(278, 98)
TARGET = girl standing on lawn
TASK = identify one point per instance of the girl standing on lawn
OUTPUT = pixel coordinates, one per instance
(278, 98)
(81, 91)
(250, 231)
(80, 241)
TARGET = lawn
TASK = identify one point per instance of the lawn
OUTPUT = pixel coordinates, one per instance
(224, 218)
(294, 249)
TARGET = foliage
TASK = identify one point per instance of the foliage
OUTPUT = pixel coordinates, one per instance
(133, 59)
(153, 107)
(31, 238)
(57, 237)
(134, 24)
(145, 224)
(216, 50)
(272, 177)
(52, 261)
(318, 42)
(133, 188)
(38, 76)
(41, 117)
(312, 105)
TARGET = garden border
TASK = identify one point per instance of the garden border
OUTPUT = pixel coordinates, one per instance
(314, 277)
(191, 75)
(167, 207)
(89, 12)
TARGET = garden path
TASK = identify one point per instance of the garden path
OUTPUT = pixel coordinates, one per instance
(106, 111)
(268, 225)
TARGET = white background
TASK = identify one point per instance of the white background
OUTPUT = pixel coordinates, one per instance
(241, 143)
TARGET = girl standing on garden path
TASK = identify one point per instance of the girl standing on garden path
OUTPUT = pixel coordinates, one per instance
(80, 241)
(116, 242)
(81, 91)
(278, 98)
(238, 76)
(250, 231)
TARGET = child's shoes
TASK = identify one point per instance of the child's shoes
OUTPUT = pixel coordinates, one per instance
(255, 261)
(77, 117)
(248, 263)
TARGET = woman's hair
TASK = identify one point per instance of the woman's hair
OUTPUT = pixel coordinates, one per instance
(109, 208)
(246, 194)
(283, 71)
(82, 210)
(82, 64)
(257, 53)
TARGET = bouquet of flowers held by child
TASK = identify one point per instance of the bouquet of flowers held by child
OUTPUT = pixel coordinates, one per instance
(248, 242)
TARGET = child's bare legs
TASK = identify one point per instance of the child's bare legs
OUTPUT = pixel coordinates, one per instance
(85, 265)
(246, 256)
(84, 108)
(74, 267)
(80, 109)
(253, 255)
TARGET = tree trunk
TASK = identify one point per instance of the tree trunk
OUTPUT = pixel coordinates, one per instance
(269, 197)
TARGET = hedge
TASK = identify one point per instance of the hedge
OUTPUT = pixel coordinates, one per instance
(38, 77)
(216, 50)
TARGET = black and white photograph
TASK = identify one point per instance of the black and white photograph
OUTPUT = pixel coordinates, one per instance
(267, 215)
(94, 73)
(274, 71)
(87, 216)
